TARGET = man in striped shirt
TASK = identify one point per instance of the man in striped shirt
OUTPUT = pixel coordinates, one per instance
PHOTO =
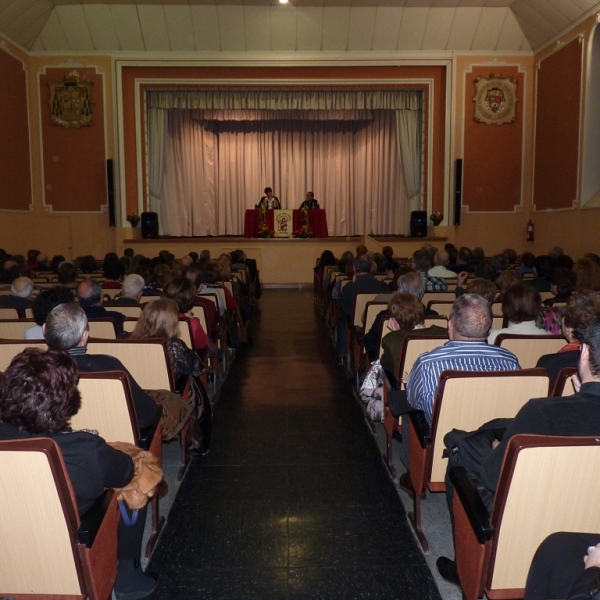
(469, 323)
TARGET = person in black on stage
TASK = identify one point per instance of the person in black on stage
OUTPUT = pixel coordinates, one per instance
(269, 201)
(310, 202)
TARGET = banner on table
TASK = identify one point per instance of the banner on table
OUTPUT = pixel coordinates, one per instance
(283, 223)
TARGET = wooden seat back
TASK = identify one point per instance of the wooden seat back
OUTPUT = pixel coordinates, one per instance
(111, 292)
(564, 382)
(546, 485)
(185, 333)
(14, 329)
(440, 321)
(360, 304)
(529, 348)
(441, 308)
(466, 400)
(40, 555)
(8, 350)
(8, 312)
(128, 310)
(438, 297)
(146, 360)
(107, 406)
(103, 328)
(412, 347)
(372, 309)
(129, 324)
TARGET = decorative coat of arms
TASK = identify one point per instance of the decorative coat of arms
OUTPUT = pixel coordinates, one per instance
(71, 101)
(495, 100)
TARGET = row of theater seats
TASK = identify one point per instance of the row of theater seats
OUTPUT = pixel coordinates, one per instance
(545, 484)
(69, 556)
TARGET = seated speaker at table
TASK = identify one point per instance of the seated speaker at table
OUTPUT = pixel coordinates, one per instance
(269, 201)
(310, 202)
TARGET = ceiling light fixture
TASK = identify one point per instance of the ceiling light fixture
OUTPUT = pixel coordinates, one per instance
(283, 1)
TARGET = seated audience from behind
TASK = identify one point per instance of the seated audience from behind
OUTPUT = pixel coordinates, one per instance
(565, 262)
(380, 263)
(88, 264)
(520, 307)
(43, 264)
(441, 261)
(66, 328)
(582, 308)
(511, 256)
(544, 266)
(113, 271)
(90, 298)
(499, 262)
(556, 252)
(464, 260)
(55, 262)
(409, 282)
(527, 264)
(183, 292)
(327, 259)
(406, 316)
(362, 249)
(477, 256)
(388, 252)
(38, 397)
(421, 263)
(32, 259)
(22, 294)
(162, 275)
(588, 274)
(46, 301)
(67, 274)
(562, 285)
(484, 288)
(131, 292)
(504, 281)
(160, 319)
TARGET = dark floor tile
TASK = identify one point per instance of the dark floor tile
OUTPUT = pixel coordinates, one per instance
(232, 485)
(355, 583)
(342, 484)
(222, 584)
(320, 448)
(345, 536)
(245, 449)
(239, 537)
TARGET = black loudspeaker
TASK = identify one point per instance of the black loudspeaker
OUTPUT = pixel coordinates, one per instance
(110, 191)
(418, 223)
(458, 178)
(149, 225)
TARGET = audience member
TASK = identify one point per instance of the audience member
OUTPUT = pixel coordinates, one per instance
(21, 295)
(42, 305)
(441, 261)
(562, 285)
(38, 397)
(90, 298)
(527, 264)
(113, 271)
(66, 328)
(579, 415)
(468, 327)
(464, 260)
(544, 265)
(131, 291)
(588, 274)
(520, 307)
(421, 263)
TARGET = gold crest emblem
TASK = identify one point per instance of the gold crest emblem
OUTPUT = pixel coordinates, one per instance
(495, 100)
(71, 101)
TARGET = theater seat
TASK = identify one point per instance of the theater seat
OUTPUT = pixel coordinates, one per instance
(547, 484)
(47, 550)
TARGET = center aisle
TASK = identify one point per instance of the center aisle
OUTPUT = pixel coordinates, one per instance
(293, 500)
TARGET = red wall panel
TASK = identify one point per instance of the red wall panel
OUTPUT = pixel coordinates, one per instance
(493, 154)
(74, 158)
(15, 170)
(558, 98)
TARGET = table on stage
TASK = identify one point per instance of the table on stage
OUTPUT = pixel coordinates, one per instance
(316, 218)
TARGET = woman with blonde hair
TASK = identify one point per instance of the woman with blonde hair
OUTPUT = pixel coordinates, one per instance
(160, 319)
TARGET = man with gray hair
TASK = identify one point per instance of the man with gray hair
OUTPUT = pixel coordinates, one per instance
(421, 263)
(21, 295)
(66, 328)
(363, 282)
(441, 260)
(131, 291)
(468, 327)
(90, 297)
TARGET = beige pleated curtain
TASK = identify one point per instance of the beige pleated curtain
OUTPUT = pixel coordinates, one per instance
(212, 152)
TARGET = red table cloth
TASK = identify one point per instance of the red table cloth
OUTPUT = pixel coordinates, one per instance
(316, 218)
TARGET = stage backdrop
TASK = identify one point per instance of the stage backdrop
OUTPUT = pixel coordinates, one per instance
(212, 152)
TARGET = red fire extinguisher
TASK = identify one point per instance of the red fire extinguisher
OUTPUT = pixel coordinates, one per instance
(530, 231)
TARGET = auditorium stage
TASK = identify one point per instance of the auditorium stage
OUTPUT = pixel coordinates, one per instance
(282, 262)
